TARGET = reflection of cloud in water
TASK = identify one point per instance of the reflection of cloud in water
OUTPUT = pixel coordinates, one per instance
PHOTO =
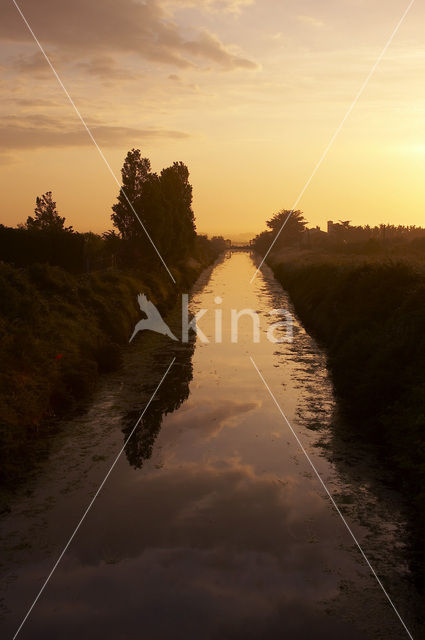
(207, 418)
(185, 593)
(210, 417)
(199, 539)
(205, 506)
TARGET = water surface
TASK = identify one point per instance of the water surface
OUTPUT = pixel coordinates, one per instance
(212, 524)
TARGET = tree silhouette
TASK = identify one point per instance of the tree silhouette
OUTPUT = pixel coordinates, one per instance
(152, 210)
(293, 223)
(163, 204)
(177, 193)
(135, 172)
(46, 216)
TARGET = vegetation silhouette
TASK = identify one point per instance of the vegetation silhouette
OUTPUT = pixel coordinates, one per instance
(341, 237)
(162, 203)
(68, 300)
(46, 217)
(361, 291)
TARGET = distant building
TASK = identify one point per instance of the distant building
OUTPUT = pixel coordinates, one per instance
(330, 226)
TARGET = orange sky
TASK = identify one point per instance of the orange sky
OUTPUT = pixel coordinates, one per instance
(247, 93)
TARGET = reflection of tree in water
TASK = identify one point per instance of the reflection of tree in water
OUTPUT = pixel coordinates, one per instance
(170, 396)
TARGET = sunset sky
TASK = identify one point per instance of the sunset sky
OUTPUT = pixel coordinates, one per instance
(246, 92)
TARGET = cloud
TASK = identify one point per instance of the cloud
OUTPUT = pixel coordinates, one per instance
(106, 68)
(102, 27)
(39, 131)
(187, 87)
(5, 159)
(34, 64)
(312, 21)
(101, 66)
(32, 102)
(210, 47)
(227, 6)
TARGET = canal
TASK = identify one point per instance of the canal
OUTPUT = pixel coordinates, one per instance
(213, 523)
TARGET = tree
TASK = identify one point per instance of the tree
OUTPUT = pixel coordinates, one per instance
(177, 193)
(153, 212)
(135, 172)
(293, 223)
(162, 203)
(46, 216)
(262, 241)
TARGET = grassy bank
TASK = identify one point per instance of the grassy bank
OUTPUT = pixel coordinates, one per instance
(58, 332)
(369, 314)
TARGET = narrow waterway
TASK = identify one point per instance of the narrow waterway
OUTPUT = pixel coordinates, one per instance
(212, 524)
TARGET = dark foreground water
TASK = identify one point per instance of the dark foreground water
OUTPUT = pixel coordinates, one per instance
(212, 525)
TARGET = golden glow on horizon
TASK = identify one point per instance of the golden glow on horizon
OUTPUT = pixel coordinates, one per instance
(249, 113)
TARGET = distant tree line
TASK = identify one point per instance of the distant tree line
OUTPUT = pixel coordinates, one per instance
(343, 231)
(150, 208)
(289, 229)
